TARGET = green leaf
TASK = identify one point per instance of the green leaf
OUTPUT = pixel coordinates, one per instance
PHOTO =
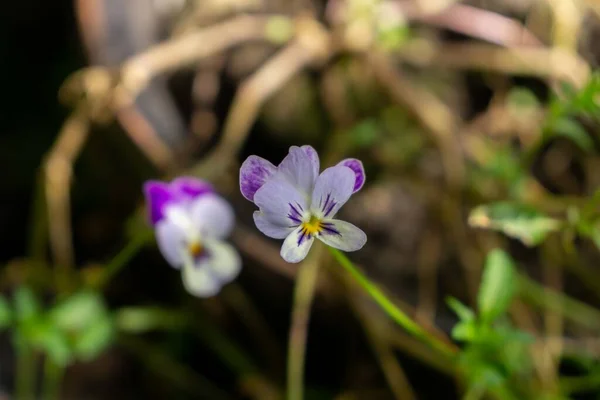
(465, 331)
(365, 133)
(516, 220)
(573, 130)
(497, 285)
(5, 313)
(464, 313)
(94, 339)
(139, 320)
(78, 311)
(26, 304)
(47, 337)
(520, 98)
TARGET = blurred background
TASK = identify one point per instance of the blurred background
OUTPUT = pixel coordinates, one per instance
(477, 123)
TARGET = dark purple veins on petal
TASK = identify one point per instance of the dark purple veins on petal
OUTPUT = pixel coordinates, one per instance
(303, 235)
(294, 214)
(329, 227)
(328, 206)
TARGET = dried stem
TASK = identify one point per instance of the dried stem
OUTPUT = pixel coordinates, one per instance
(303, 297)
(58, 170)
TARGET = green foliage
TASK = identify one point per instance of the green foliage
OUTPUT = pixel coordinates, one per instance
(573, 130)
(6, 313)
(572, 104)
(495, 352)
(516, 220)
(497, 285)
(77, 328)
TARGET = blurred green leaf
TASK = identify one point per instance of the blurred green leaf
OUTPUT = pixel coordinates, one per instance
(78, 311)
(5, 313)
(47, 337)
(392, 38)
(465, 331)
(464, 313)
(139, 320)
(574, 131)
(27, 305)
(520, 98)
(498, 285)
(365, 133)
(93, 340)
(516, 220)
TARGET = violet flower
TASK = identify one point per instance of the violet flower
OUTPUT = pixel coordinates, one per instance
(190, 222)
(298, 204)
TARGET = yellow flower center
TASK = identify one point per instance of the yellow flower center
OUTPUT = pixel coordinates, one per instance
(195, 249)
(312, 226)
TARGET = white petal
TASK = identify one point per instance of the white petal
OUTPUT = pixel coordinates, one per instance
(223, 261)
(296, 246)
(171, 242)
(277, 200)
(332, 190)
(301, 168)
(199, 280)
(343, 235)
(212, 216)
(269, 228)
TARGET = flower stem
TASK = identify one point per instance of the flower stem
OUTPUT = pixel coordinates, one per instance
(303, 296)
(53, 374)
(390, 308)
(25, 374)
(123, 258)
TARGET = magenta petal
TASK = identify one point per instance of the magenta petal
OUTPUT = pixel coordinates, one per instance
(157, 194)
(254, 172)
(359, 171)
(187, 187)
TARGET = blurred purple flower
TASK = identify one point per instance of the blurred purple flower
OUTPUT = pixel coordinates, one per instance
(190, 222)
(298, 204)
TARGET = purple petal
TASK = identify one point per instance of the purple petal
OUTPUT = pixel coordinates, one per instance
(254, 172)
(301, 168)
(342, 235)
(313, 157)
(188, 187)
(276, 198)
(270, 229)
(212, 216)
(171, 242)
(359, 172)
(157, 195)
(296, 246)
(332, 190)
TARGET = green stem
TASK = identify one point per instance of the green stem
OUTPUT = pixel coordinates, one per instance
(304, 292)
(390, 308)
(123, 258)
(550, 299)
(25, 374)
(53, 374)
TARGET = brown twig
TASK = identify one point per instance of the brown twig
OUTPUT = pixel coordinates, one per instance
(190, 48)
(475, 22)
(528, 61)
(58, 171)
